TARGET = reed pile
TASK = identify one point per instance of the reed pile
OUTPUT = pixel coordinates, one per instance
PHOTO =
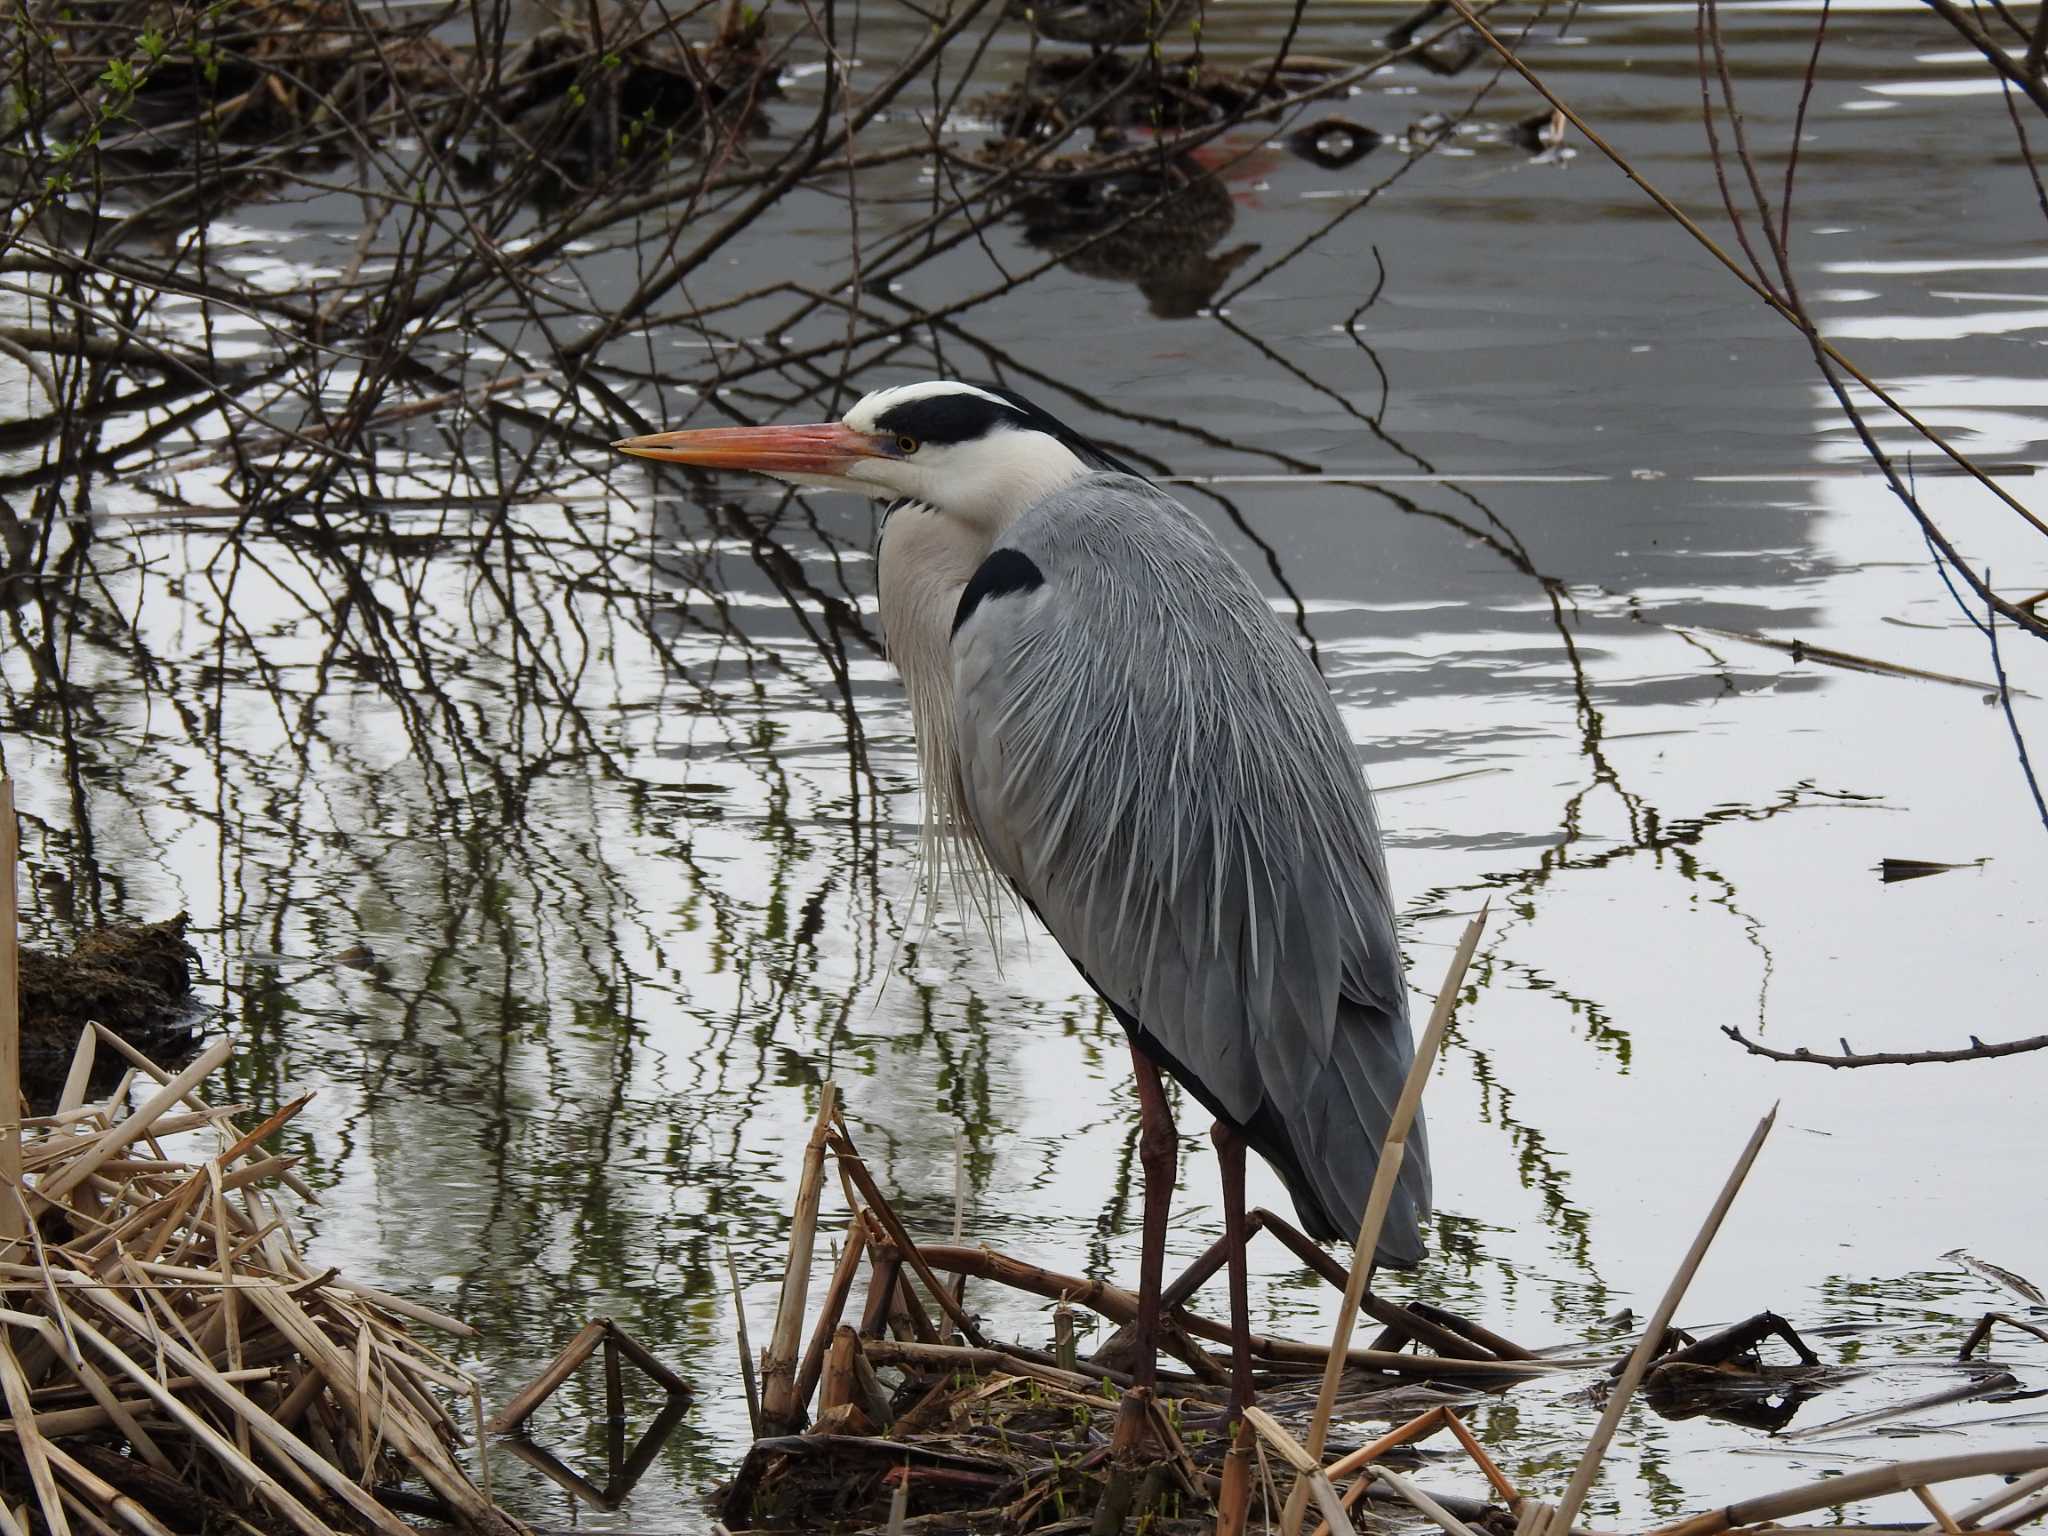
(905, 1416)
(171, 1362)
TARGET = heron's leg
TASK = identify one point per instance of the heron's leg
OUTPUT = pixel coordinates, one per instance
(1230, 1155)
(1233, 1508)
(1157, 1149)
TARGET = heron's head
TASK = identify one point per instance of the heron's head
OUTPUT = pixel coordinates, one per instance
(978, 453)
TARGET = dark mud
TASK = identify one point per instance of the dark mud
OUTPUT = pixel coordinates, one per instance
(134, 978)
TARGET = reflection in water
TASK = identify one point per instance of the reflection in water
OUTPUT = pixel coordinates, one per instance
(1156, 227)
(615, 797)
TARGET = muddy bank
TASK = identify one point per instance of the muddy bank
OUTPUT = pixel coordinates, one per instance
(135, 978)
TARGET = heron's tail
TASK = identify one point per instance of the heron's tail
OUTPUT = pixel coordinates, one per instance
(1334, 1138)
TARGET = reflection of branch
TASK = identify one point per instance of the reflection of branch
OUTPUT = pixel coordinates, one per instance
(1977, 1050)
(1825, 354)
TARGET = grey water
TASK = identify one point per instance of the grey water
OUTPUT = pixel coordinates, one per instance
(568, 880)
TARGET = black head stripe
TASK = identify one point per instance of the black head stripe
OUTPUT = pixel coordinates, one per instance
(948, 418)
(964, 417)
(1052, 426)
(1004, 571)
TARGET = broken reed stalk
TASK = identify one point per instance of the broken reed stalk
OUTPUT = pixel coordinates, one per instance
(739, 1318)
(1942, 1518)
(542, 1387)
(779, 1409)
(1849, 1487)
(843, 1276)
(1973, 1516)
(1309, 1476)
(1560, 1523)
(1377, 1202)
(12, 1216)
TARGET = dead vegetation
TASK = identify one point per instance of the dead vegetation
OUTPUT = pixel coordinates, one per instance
(173, 1363)
(924, 1421)
(899, 1412)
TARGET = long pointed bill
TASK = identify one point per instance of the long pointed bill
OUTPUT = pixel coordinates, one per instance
(828, 448)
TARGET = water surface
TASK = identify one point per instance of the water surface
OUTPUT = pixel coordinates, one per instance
(606, 771)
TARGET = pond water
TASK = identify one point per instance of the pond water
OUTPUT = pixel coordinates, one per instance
(555, 821)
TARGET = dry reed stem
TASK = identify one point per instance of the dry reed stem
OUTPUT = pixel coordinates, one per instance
(1646, 1347)
(739, 1314)
(1422, 1502)
(1121, 1306)
(779, 1409)
(1493, 1474)
(1392, 1151)
(1421, 1427)
(12, 1222)
(1307, 1473)
(878, 1205)
(1973, 1515)
(79, 1078)
(1942, 1517)
(962, 1357)
(843, 1275)
(558, 1370)
(1849, 1487)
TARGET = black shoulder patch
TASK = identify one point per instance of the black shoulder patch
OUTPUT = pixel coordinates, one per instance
(1005, 570)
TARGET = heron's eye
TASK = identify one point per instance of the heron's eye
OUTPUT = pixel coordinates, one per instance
(906, 444)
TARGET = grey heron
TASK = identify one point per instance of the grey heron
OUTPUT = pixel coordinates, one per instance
(1110, 716)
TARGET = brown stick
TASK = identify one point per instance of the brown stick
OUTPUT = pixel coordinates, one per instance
(879, 1207)
(649, 1362)
(544, 1386)
(1560, 1522)
(739, 1317)
(1477, 1452)
(1421, 1427)
(1121, 1306)
(1466, 1341)
(1976, 1050)
(829, 1314)
(12, 1223)
(780, 1412)
(884, 1266)
(1381, 1197)
(1900, 1477)
(993, 1362)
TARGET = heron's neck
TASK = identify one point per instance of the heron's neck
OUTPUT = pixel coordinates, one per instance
(924, 562)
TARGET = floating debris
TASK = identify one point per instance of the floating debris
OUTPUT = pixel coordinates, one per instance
(1891, 871)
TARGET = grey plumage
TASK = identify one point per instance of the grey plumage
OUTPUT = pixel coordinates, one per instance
(1150, 759)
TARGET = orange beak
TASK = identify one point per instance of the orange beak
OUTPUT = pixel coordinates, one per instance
(828, 448)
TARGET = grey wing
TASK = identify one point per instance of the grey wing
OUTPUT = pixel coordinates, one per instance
(1157, 767)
